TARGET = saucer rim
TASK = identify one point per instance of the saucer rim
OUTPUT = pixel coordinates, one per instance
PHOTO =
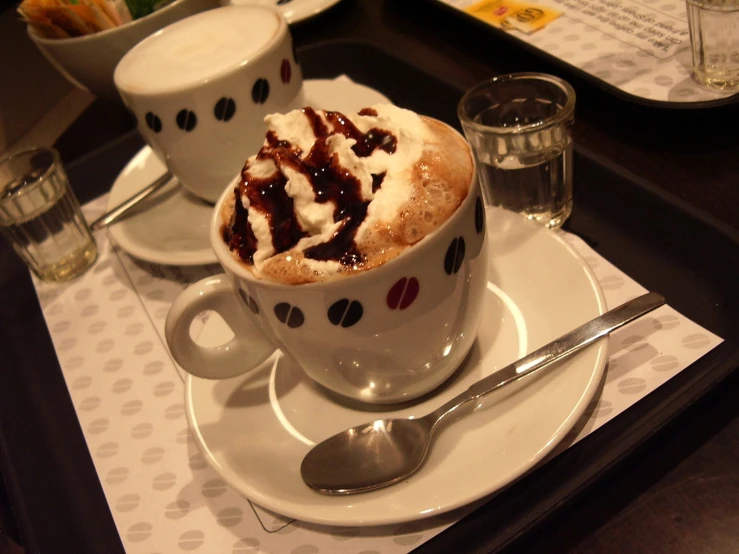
(288, 9)
(321, 6)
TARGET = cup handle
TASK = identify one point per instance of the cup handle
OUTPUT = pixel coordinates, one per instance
(244, 352)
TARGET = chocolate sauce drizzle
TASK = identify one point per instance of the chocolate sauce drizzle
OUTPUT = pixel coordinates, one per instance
(240, 237)
(330, 182)
(366, 142)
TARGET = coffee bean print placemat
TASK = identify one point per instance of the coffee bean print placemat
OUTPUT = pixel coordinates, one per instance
(108, 331)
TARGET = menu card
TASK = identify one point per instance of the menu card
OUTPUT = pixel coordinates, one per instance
(108, 331)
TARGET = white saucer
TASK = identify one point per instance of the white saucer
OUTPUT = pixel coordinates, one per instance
(293, 10)
(256, 429)
(171, 226)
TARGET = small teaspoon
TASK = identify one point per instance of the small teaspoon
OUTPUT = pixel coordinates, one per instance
(386, 451)
(116, 213)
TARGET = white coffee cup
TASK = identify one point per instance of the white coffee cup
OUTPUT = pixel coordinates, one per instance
(200, 89)
(389, 334)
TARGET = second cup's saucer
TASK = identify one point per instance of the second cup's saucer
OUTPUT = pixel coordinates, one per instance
(171, 226)
(293, 10)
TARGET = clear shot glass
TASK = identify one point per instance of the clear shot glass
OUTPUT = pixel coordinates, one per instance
(520, 129)
(40, 216)
(714, 38)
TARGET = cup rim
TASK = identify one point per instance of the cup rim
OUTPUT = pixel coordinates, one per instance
(562, 115)
(265, 49)
(32, 187)
(102, 34)
(227, 260)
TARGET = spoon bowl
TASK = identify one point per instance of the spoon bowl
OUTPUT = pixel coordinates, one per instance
(370, 454)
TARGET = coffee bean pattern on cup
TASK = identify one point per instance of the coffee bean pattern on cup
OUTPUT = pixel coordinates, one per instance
(225, 107)
(454, 256)
(292, 316)
(250, 302)
(330, 194)
(403, 293)
(345, 312)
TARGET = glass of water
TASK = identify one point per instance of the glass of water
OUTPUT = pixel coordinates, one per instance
(520, 129)
(40, 216)
(714, 38)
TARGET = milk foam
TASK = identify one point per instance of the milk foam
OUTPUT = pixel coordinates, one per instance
(197, 48)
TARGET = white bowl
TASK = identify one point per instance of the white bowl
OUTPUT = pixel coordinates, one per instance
(88, 62)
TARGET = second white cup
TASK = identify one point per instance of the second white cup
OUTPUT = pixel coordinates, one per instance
(200, 89)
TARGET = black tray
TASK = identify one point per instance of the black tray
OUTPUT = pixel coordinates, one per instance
(664, 245)
(483, 27)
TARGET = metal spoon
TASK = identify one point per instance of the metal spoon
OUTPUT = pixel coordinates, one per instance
(385, 451)
(116, 213)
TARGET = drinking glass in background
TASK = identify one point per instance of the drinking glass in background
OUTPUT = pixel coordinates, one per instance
(40, 216)
(520, 129)
(714, 38)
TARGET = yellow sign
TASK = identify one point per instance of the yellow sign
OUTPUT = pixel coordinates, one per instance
(507, 14)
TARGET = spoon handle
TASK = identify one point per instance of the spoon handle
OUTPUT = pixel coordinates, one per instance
(565, 345)
(113, 215)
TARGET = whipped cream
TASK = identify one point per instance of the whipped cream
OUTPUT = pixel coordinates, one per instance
(331, 192)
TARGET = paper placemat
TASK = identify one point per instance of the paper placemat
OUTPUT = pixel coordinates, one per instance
(108, 331)
(639, 46)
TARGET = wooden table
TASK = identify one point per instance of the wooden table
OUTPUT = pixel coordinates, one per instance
(680, 491)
